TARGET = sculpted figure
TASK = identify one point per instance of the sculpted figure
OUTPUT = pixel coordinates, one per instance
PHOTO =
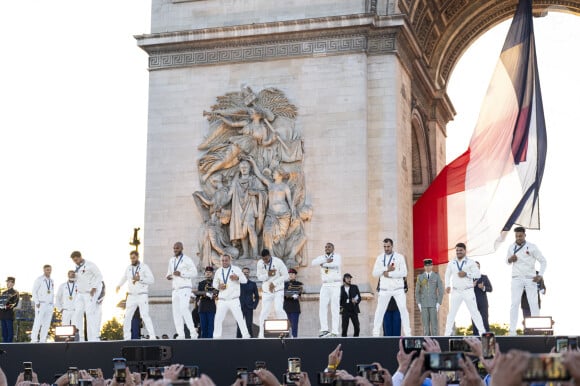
(249, 199)
(248, 210)
(280, 209)
(214, 240)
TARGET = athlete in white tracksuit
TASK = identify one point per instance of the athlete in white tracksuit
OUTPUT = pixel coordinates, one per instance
(390, 267)
(181, 270)
(138, 276)
(227, 280)
(459, 277)
(65, 300)
(43, 296)
(89, 286)
(272, 272)
(522, 256)
(330, 272)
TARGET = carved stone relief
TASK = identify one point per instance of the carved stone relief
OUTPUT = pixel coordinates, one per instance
(253, 187)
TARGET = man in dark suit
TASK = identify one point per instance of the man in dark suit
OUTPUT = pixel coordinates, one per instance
(249, 299)
(481, 287)
(349, 300)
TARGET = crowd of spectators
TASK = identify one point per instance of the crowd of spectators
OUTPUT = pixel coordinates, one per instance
(512, 368)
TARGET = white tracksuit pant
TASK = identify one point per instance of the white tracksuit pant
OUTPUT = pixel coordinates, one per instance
(329, 294)
(42, 319)
(456, 297)
(68, 317)
(134, 301)
(222, 307)
(87, 304)
(181, 313)
(268, 298)
(518, 285)
(382, 304)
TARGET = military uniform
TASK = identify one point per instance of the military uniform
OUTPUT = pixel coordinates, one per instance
(206, 306)
(8, 301)
(429, 296)
(292, 292)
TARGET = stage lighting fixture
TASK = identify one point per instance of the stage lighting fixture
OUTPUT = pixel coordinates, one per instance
(276, 328)
(66, 334)
(538, 325)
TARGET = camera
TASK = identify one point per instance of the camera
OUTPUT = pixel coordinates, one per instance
(488, 344)
(546, 367)
(294, 369)
(326, 377)
(27, 371)
(412, 344)
(370, 373)
(73, 376)
(458, 345)
(565, 343)
(188, 372)
(155, 373)
(443, 361)
(119, 369)
(95, 373)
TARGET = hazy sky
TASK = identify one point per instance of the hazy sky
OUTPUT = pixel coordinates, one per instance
(73, 97)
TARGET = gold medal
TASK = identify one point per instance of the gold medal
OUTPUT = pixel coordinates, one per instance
(48, 292)
(325, 270)
(70, 298)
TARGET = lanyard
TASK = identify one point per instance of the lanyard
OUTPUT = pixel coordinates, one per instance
(390, 259)
(460, 268)
(48, 283)
(518, 248)
(136, 271)
(79, 267)
(269, 268)
(176, 265)
(227, 276)
(69, 289)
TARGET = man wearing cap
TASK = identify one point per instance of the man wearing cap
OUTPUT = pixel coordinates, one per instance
(330, 266)
(349, 300)
(429, 296)
(89, 288)
(227, 280)
(390, 267)
(8, 301)
(43, 297)
(292, 291)
(180, 271)
(272, 272)
(206, 303)
(139, 277)
(65, 299)
(459, 277)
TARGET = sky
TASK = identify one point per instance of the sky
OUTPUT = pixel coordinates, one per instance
(73, 119)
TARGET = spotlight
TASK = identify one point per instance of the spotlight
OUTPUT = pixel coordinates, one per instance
(276, 328)
(66, 334)
(538, 325)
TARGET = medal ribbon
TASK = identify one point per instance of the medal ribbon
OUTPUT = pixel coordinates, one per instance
(136, 271)
(176, 265)
(385, 259)
(48, 284)
(518, 248)
(227, 276)
(460, 268)
(69, 289)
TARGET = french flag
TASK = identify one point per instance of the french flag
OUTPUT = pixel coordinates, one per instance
(477, 198)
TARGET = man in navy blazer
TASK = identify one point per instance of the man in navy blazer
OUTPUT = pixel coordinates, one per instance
(249, 299)
(481, 287)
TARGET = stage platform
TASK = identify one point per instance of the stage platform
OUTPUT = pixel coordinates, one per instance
(220, 358)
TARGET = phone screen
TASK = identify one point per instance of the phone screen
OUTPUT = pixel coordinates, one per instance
(119, 366)
(546, 367)
(488, 344)
(294, 366)
(443, 361)
(458, 345)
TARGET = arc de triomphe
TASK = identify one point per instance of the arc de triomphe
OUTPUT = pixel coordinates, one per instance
(368, 81)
